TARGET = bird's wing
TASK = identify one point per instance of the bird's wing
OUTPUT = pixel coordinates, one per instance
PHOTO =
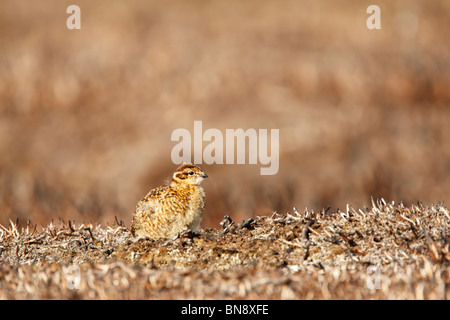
(163, 200)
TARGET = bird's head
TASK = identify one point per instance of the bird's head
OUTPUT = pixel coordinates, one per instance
(189, 173)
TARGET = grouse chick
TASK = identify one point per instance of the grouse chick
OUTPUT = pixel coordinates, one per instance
(166, 210)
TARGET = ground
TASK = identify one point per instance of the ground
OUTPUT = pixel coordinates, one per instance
(388, 251)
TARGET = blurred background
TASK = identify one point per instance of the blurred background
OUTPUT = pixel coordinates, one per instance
(86, 116)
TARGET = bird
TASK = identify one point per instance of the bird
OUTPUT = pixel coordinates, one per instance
(167, 210)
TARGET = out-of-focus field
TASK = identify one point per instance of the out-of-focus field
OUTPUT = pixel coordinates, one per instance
(86, 115)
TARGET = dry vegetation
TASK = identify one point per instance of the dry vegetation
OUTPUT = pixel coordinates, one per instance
(86, 118)
(403, 253)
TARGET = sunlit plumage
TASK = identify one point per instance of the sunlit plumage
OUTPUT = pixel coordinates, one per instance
(166, 210)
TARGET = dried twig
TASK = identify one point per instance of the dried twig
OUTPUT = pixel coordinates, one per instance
(306, 229)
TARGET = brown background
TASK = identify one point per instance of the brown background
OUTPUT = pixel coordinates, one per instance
(86, 115)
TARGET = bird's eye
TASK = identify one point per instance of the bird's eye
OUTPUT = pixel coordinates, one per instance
(190, 173)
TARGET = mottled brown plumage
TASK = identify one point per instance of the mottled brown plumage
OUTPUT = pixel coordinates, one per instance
(166, 210)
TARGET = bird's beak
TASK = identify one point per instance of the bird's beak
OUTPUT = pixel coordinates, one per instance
(204, 175)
